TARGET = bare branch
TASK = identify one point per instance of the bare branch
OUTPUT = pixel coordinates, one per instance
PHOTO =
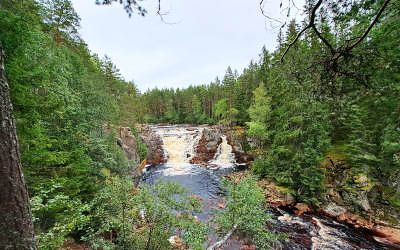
(265, 15)
(310, 24)
(218, 244)
(336, 53)
(323, 39)
(161, 14)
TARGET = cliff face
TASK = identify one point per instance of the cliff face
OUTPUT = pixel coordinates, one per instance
(127, 142)
(154, 143)
(207, 146)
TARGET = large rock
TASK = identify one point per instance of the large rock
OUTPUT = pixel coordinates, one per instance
(127, 141)
(387, 235)
(333, 210)
(207, 145)
(237, 139)
(154, 143)
(302, 208)
(274, 196)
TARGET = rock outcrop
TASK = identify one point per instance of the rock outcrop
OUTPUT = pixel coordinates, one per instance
(382, 233)
(207, 146)
(127, 142)
(154, 143)
(237, 139)
(274, 196)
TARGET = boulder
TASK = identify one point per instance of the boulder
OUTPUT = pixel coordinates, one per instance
(301, 208)
(154, 143)
(207, 146)
(274, 196)
(387, 235)
(127, 141)
(333, 210)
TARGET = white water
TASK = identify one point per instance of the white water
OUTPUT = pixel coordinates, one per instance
(224, 157)
(179, 144)
(328, 238)
(306, 232)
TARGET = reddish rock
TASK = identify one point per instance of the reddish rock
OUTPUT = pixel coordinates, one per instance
(207, 146)
(301, 208)
(387, 235)
(221, 205)
(275, 197)
(154, 143)
(236, 138)
(383, 234)
(248, 247)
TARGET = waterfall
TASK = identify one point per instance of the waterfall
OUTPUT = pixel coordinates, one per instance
(179, 145)
(224, 156)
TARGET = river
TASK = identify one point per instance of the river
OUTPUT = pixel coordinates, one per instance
(303, 232)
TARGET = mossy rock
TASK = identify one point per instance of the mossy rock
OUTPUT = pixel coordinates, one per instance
(363, 183)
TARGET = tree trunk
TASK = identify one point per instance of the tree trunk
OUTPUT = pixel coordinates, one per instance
(16, 228)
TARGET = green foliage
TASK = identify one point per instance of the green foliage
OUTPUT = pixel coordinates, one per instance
(57, 216)
(63, 98)
(125, 217)
(245, 208)
(259, 113)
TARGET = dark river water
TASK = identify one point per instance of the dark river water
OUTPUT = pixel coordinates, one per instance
(305, 232)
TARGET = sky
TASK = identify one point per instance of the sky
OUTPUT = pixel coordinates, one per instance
(202, 38)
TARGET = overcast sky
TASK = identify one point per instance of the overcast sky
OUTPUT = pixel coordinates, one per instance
(207, 37)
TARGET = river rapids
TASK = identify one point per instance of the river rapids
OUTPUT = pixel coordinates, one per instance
(303, 232)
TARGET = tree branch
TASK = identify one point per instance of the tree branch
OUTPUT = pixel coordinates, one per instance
(310, 24)
(223, 240)
(378, 15)
(323, 39)
(265, 15)
(336, 53)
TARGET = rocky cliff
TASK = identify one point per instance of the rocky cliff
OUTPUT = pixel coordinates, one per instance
(154, 143)
(208, 145)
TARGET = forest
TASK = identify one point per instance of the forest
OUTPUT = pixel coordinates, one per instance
(325, 102)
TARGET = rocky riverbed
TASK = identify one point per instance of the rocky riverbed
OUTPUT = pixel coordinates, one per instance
(198, 156)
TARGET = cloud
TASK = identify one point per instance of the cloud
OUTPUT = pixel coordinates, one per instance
(208, 37)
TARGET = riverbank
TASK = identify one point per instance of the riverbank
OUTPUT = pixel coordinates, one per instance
(197, 146)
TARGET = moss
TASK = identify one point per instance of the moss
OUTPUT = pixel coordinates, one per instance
(395, 201)
(283, 189)
(363, 182)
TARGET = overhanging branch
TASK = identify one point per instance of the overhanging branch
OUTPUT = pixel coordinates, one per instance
(310, 24)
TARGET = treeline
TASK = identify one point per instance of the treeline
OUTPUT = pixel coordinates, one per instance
(225, 101)
(67, 103)
(304, 114)
(321, 119)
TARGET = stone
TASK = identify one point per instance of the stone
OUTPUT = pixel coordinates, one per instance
(285, 218)
(333, 210)
(301, 208)
(154, 143)
(388, 234)
(128, 143)
(176, 242)
(207, 146)
(363, 201)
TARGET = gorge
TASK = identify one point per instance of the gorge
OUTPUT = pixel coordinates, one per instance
(310, 230)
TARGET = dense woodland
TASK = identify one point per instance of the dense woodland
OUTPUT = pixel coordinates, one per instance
(305, 106)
